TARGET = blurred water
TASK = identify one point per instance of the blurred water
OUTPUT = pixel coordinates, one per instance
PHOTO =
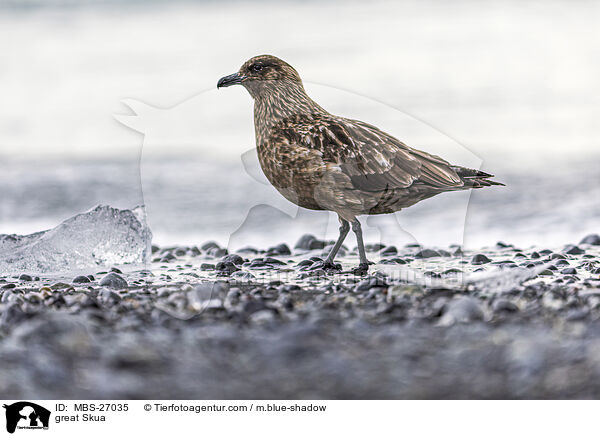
(503, 78)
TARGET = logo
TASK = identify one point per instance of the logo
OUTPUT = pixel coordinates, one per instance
(26, 415)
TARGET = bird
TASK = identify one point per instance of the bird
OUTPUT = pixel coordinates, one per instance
(322, 161)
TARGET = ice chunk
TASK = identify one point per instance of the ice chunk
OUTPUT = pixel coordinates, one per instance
(102, 236)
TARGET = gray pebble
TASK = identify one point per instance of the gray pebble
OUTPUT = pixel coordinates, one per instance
(233, 258)
(389, 251)
(81, 279)
(226, 267)
(114, 281)
(593, 239)
(573, 249)
(209, 245)
(427, 253)
(281, 249)
(480, 259)
(309, 242)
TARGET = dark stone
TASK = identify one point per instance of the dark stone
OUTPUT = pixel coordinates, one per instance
(319, 245)
(116, 270)
(305, 262)
(568, 271)
(573, 249)
(480, 259)
(458, 252)
(234, 258)
(249, 250)
(273, 261)
(258, 263)
(209, 245)
(319, 265)
(25, 278)
(389, 251)
(432, 274)
(217, 252)
(167, 258)
(180, 252)
(81, 279)
(393, 260)
(281, 249)
(593, 239)
(373, 247)
(207, 267)
(226, 267)
(114, 281)
(427, 253)
(309, 242)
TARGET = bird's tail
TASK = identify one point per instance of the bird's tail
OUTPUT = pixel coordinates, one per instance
(475, 178)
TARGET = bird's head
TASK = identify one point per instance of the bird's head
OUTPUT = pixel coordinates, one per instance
(263, 74)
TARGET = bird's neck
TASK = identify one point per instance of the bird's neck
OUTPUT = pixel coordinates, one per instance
(279, 104)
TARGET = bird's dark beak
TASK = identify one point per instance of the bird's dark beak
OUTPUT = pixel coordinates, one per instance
(232, 79)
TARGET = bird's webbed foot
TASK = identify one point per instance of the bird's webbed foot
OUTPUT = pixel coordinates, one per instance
(331, 267)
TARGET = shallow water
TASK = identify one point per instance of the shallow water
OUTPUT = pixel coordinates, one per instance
(191, 201)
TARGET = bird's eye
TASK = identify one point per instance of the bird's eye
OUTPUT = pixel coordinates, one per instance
(257, 67)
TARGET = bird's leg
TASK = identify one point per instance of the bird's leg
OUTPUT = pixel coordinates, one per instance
(344, 229)
(363, 266)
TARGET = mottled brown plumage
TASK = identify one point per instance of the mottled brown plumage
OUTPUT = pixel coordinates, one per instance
(322, 161)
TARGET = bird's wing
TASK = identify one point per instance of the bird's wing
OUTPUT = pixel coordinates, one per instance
(384, 162)
(372, 159)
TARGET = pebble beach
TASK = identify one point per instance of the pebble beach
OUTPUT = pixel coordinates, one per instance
(200, 322)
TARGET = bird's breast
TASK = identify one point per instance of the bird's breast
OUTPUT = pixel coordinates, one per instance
(293, 170)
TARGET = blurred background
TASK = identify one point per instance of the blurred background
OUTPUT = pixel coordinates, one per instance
(510, 86)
